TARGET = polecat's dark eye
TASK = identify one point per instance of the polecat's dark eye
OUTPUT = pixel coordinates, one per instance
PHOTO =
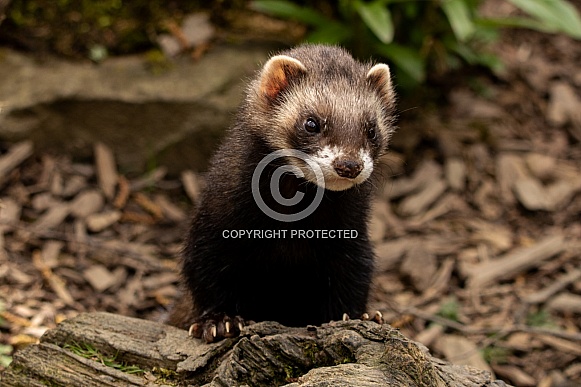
(312, 126)
(371, 132)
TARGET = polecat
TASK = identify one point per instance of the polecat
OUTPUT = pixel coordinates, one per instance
(313, 124)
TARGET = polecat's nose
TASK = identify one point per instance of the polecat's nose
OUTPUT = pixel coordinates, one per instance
(347, 168)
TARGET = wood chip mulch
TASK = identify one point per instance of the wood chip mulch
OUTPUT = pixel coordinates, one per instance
(477, 229)
(82, 237)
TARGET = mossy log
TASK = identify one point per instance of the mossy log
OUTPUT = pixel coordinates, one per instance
(101, 349)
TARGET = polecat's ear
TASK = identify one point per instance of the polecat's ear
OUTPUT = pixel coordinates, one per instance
(380, 78)
(277, 74)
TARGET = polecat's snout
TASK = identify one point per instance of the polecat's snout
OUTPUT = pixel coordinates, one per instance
(341, 169)
(347, 168)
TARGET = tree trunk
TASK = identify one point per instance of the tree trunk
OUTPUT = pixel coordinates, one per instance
(101, 349)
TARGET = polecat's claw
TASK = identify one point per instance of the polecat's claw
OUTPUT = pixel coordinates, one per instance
(195, 330)
(378, 317)
(231, 326)
(215, 327)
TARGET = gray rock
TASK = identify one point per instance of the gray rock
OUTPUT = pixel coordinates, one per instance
(174, 118)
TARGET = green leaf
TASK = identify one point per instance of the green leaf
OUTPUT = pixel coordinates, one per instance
(558, 15)
(458, 14)
(406, 59)
(515, 22)
(289, 10)
(378, 18)
(450, 309)
(5, 360)
(326, 30)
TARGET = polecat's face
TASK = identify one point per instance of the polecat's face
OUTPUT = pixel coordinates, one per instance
(338, 113)
(337, 127)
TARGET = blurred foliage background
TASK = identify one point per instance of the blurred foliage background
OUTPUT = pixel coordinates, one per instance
(74, 28)
(421, 38)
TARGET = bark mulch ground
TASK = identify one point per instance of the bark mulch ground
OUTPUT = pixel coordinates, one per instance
(477, 228)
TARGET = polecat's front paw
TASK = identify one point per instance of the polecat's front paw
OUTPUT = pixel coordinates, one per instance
(216, 326)
(377, 317)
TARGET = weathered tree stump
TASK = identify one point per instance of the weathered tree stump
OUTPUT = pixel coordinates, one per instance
(101, 349)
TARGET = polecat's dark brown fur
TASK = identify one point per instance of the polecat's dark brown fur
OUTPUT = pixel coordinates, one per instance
(318, 100)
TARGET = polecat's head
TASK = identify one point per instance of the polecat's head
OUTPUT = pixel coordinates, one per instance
(319, 100)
